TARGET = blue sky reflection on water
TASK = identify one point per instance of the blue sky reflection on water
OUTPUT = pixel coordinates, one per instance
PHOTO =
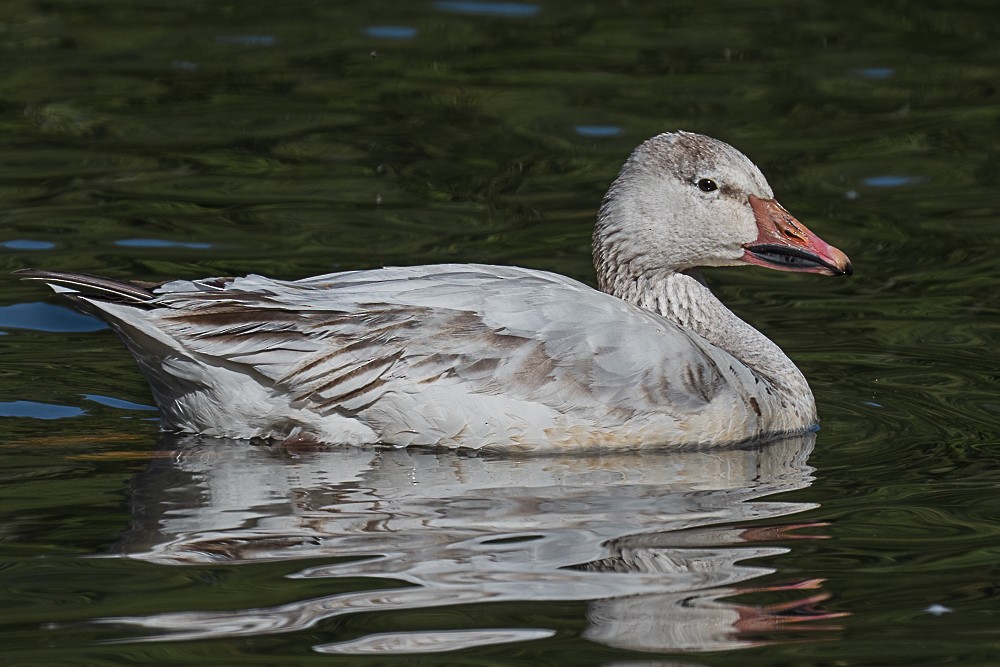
(890, 181)
(118, 403)
(391, 32)
(500, 9)
(42, 316)
(876, 72)
(36, 410)
(27, 244)
(162, 243)
(184, 140)
(598, 131)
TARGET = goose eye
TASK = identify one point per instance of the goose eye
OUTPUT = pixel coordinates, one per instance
(707, 185)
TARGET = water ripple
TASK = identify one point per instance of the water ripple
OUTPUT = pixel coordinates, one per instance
(391, 32)
(431, 642)
(40, 316)
(656, 538)
(28, 244)
(505, 9)
(162, 243)
(596, 131)
(112, 402)
(35, 410)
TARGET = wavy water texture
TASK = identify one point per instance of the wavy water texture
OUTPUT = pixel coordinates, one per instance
(653, 543)
(183, 139)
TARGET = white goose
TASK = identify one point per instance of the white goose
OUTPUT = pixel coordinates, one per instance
(467, 355)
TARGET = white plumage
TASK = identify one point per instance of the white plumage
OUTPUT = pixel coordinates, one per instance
(498, 357)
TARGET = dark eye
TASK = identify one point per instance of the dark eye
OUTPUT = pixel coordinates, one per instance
(707, 185)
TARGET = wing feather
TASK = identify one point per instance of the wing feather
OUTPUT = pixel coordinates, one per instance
(343, 341)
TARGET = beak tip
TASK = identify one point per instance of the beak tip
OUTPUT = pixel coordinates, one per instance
(841, 262)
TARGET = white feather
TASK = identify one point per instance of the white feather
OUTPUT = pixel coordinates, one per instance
(487, 356)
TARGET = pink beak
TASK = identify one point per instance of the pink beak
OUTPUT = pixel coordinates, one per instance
(786, 244)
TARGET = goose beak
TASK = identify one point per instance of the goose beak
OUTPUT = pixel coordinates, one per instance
(786, 244)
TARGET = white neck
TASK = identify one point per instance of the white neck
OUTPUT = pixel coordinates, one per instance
(654, 223)
(685, 300)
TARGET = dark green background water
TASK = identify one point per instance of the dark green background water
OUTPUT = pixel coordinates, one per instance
(186, 139)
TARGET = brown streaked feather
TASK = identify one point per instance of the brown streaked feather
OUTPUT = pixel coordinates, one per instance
(107, 287)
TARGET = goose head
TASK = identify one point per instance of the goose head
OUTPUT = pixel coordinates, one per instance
(684, 200)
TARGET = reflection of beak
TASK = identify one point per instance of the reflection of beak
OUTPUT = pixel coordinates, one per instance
(786, 244)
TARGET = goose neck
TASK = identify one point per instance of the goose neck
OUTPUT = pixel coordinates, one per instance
(684, 299)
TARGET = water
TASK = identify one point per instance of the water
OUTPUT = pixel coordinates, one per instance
(191, 139)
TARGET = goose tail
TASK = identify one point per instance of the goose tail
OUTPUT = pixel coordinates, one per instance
(93, 287)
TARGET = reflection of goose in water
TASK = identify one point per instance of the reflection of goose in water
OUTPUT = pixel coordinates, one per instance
(651, 541)
(497, 357)
(699, 620)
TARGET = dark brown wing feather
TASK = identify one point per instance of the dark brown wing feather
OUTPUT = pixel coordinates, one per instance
(112, 290)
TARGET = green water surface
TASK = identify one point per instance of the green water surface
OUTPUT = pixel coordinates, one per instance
(153, 140)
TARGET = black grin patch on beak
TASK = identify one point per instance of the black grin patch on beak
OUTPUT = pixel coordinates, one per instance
(795, 259)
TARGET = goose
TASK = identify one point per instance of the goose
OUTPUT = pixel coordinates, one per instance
(496, 357)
